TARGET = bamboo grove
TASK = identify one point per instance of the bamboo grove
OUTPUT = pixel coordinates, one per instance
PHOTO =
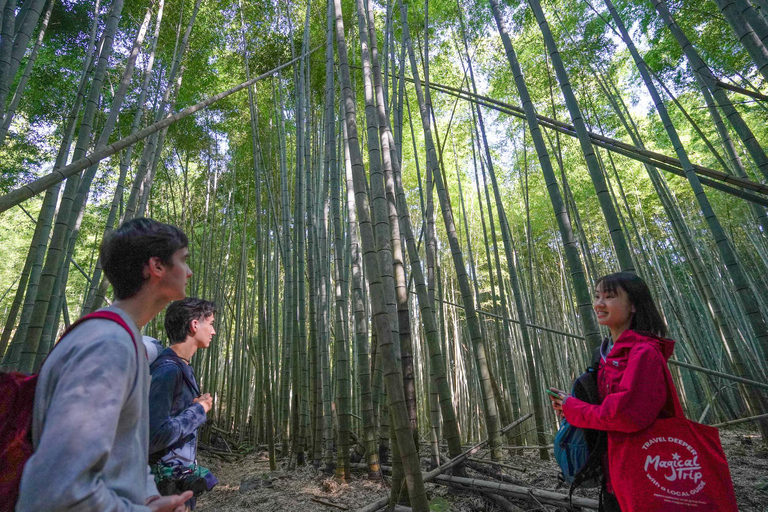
(402, 219)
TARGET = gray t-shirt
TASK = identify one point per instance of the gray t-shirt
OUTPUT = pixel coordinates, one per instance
(90, 425)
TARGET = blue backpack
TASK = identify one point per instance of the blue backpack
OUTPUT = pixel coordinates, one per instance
(580, 451)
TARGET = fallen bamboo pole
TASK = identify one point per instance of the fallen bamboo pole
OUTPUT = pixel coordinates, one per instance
(517, 491)
(329, 503)
(497, 464)
(490, 472)
(430, 475)
(504, 489)
(740, 420)
(503, 503)
(464, 456)
(546, 446)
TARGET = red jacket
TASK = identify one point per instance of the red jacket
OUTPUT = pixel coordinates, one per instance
(631, 386)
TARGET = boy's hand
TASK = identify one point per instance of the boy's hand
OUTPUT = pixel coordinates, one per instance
(174, 503)
(205, 400)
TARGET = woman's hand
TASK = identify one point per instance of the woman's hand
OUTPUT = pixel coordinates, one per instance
(557, 401)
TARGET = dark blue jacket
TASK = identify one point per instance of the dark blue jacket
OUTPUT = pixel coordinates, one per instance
(173, 417)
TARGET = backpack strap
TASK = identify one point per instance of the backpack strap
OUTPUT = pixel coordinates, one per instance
(104, 315)
(169, 360)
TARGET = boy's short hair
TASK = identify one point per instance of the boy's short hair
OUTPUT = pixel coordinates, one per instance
(126, 250)
(179, 316)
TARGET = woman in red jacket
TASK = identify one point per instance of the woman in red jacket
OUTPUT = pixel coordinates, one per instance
(632, 365)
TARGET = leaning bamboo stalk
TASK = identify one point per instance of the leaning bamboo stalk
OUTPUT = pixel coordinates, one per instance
(741, 380)
(642, 155)
(20, 40)
(737, 165)
(665, 162)
(360, 319)
(389, 166)
(702, 280)
(740, 90)
(39, 244)
(622, 250)
(17, 95)
(50, 279)
(6, 42)
(285, 364)
(150, 155)
(697, 64)
(81, 197)
(99, 285)
(380, 214)
(21, 194)
(398, 208)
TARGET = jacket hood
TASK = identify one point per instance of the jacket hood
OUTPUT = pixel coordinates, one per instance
(630, 337)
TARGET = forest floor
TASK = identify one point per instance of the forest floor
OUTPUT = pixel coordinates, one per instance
(248, 485)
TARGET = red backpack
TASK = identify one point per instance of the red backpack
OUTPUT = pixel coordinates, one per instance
(17, 394)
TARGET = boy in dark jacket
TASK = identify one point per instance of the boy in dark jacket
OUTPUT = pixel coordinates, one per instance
(176, 407)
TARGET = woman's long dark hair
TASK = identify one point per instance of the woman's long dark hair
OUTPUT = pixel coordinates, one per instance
(646, 317)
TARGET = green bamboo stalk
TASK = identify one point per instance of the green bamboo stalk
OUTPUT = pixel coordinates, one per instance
(386, 346)
(489, 405)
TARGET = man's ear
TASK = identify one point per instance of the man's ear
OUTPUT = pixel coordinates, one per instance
(154, 267)
(194, 325)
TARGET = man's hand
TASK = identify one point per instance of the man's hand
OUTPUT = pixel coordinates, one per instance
(205, 400)
(174, 503)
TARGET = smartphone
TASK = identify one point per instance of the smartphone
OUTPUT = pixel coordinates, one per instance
(552, 393)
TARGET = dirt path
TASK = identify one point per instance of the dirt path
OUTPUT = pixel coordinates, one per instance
(248, 485)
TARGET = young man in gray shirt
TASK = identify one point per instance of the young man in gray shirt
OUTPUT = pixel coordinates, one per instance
(90, 425)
